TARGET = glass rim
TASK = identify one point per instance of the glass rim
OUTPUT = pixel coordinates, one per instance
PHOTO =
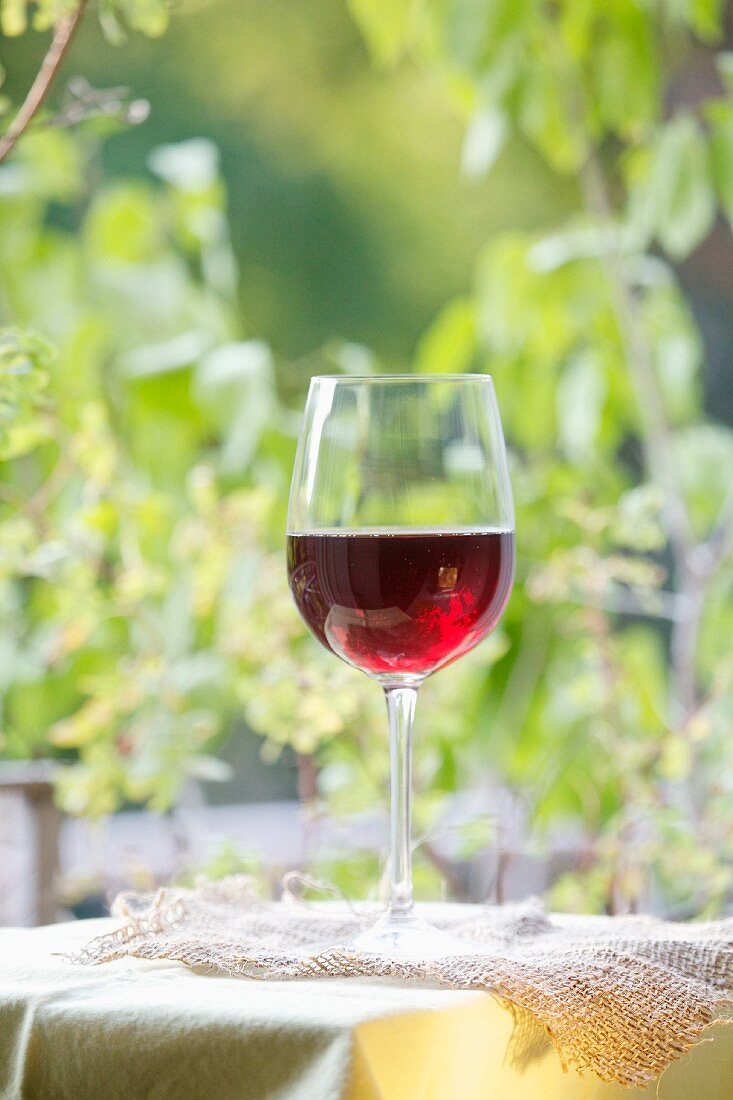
(376, 378)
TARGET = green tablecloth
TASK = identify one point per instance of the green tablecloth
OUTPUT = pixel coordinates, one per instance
(134, 1029)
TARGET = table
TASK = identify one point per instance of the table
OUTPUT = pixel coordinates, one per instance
(135, 1029)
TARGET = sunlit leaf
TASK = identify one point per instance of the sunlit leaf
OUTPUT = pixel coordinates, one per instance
(449, 345)
(124, 224)
(13, 17)
(169, 355)
(581, 393)
(234, 384)
(626, 73)
(190, 165)
(484, 140)
(149, 16)
(677, 195)
(384, 24)
(704, 17)
(704, 455)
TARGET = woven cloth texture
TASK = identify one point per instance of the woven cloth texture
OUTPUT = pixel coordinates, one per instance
(621, 997)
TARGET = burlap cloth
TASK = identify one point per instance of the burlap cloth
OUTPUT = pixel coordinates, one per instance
(619, 996)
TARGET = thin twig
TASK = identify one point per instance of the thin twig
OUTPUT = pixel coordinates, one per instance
(41, 86)
(656, 439)
(307, 778)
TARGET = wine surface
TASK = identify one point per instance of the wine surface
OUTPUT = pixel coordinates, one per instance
(401, 601)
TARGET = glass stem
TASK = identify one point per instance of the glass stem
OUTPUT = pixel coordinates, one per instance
(401, 711)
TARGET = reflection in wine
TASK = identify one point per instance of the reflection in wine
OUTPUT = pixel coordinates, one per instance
(401, 603)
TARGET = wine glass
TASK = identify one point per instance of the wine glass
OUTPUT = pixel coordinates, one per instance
(400, 549)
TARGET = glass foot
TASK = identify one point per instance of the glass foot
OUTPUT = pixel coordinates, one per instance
(408, 936)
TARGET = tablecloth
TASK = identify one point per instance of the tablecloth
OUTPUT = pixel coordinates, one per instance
(134, 1029)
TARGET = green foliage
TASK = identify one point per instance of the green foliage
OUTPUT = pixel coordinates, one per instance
(673, 200)
(143, 594)
(227, 860)
(385, 24)
(148, 16)
(610, 708)
(105, 614)
(24, 359)
(144, 466)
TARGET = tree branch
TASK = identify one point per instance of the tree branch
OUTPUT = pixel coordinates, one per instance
(656, 437)
(656, 433)
(41, 86)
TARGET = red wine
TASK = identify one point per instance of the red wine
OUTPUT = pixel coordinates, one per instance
(398, 601)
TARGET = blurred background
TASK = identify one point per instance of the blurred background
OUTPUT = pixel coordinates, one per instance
(218, 200)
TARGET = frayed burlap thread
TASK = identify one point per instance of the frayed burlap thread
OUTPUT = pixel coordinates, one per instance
(621, 997)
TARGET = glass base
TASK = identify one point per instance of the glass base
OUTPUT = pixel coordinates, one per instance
(407, 936)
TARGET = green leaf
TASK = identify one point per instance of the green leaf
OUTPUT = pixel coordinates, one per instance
(484, 141)
(585, 242)
(168, 355)
(637, 523)
(124, 224)
(676, 200)
(191, 165)
(235, 385)
(151, 17)
(544, 118)
(704, 17)
(48, 13)
(112, 28)
(640, 650)
(687, 209)
(53, 165)
(352, 358)
(480, 38)
(677, 349)
(209, 769)
(384, 24)
(704, 455)
(449, 345)
(717, 624)
(24, 361)
(581, 394)
(13, 17)
(625, 74)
